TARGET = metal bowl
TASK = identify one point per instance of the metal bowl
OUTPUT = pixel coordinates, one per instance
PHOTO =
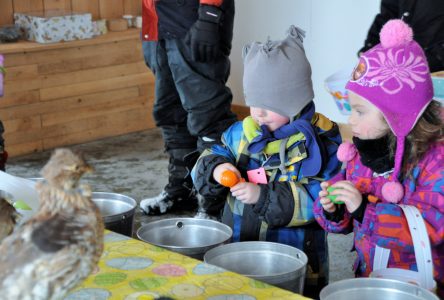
(35, 179)
(374, 288)
(188, 236)
(273, 263)
(117, 211)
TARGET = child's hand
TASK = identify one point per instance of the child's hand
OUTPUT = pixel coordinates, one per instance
(326, 203)
(348, 193)
(217, 173)
(246, 192)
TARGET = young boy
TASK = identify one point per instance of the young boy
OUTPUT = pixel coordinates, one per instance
(283, 150)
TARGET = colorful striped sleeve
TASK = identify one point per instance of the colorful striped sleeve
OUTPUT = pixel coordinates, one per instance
(344, 226)
(425, 190)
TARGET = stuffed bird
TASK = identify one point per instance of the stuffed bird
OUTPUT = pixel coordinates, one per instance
(62, 243)
(8, 218)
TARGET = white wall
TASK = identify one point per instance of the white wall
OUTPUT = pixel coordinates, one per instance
(335, 31)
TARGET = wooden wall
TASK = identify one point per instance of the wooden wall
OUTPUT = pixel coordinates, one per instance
(100, 9)
(73, 92)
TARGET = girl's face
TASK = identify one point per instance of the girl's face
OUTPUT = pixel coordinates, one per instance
(269, 118)
(366, 120)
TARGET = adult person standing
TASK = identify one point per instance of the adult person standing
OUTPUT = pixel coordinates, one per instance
(425, 17)
(3, 154)
(186, 44)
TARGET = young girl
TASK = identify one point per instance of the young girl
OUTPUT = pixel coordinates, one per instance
(397, 157)
(283, 150)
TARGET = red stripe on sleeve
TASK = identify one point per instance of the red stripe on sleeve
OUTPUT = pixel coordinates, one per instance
(212, 2)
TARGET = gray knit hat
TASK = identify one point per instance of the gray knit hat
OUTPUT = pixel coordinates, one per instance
(277, 74)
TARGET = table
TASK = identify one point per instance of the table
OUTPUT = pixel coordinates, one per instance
(130, 269)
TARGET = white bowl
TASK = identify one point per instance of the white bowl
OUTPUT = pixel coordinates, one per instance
(438, 86)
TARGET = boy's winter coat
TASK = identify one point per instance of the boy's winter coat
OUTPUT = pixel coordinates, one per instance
(284, 211)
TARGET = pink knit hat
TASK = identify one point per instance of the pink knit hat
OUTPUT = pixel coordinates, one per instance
(394, 76)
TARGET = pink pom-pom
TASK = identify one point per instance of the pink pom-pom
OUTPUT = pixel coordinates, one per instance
(395, 33)
(346, 152)
(392, 192)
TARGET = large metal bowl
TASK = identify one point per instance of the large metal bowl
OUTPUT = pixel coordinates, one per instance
(117, 211)
(273, 263)
(374, 288)
(188, 236)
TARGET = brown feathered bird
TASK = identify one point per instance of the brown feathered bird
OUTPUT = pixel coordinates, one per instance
(8, 218)
(62, 243)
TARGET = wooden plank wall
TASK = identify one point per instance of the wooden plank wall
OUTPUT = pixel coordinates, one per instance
(100, 9)
(79, 92)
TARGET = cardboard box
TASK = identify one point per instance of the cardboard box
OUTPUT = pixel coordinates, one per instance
(55, 26)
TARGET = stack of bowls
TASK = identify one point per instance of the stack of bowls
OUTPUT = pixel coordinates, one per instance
(117, 211)
(276, 264)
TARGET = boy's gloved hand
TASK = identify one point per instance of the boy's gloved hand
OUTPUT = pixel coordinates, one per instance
(204, 37)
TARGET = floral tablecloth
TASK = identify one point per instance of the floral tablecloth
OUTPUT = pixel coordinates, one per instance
(130, 269)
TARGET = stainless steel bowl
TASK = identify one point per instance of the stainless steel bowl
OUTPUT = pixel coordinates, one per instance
(273, 263)
(374, 288)
(188, 236)
(117, 211)
(36, 179)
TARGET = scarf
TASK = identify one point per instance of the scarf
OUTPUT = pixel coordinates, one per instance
(375, 154)
(262, 140)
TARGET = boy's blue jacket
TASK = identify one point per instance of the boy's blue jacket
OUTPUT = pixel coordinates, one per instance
(284, 210)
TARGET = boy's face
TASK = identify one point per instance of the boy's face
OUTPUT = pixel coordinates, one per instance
(366, 120)
(269, 118)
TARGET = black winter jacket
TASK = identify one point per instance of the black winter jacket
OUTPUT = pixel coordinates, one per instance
(426, 17)
(171, 19)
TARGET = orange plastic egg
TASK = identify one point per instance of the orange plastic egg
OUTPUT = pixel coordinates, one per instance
(229, 178)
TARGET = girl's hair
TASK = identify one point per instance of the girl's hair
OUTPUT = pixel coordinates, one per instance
(428, 130)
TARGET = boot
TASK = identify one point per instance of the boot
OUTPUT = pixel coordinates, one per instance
(178, 194)
(165, 202)
(3, 158)
(209, 208)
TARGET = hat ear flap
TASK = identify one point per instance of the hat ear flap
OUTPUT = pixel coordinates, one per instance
(296, 34)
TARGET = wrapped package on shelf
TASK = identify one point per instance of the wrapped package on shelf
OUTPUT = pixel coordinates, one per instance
(55, 26)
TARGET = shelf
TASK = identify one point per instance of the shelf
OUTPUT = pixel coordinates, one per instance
(68, 93)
